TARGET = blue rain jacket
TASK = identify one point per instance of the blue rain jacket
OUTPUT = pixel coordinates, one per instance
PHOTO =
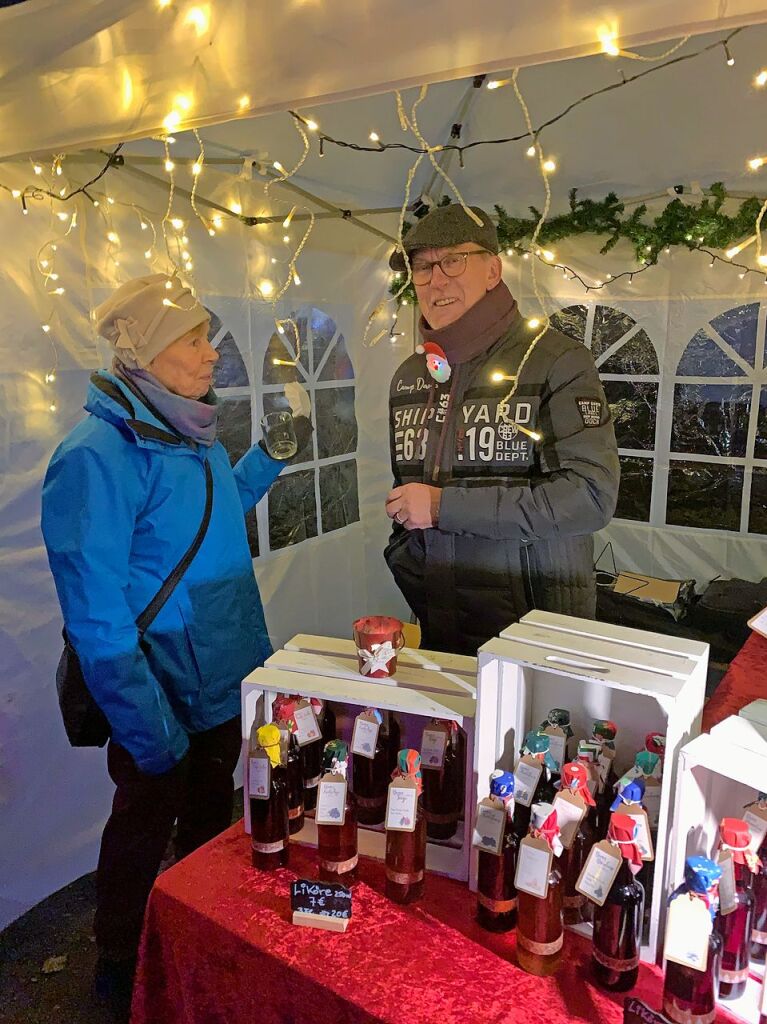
(122, 501)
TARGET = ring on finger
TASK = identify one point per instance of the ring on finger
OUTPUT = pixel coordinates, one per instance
(400, 521)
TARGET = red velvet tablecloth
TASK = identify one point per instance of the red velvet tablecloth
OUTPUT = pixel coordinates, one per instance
(218, 946)
(745, 680)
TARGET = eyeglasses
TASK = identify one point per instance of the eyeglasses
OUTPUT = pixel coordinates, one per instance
(452, 265)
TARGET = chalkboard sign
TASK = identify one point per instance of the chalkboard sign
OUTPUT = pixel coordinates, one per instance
(324, 899)
(637, 1012)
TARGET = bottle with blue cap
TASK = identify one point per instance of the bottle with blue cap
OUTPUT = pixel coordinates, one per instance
(690, 988)
(496, 892)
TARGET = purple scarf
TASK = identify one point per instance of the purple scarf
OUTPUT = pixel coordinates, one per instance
(478, 328)
(195, 419)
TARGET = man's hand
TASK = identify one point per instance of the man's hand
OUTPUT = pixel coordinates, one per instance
(414, 506)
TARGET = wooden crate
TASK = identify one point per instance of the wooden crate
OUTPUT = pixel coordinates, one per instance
(642, 681)
(718, 773)
(427, 684)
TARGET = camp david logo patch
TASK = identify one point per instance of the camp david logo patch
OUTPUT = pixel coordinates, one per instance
(590, 410)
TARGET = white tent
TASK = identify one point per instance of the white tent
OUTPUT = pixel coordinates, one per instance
(76, 79)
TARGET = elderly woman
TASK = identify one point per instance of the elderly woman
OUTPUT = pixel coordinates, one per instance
(123, 498)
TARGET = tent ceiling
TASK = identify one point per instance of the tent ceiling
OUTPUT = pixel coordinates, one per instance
(94, 71)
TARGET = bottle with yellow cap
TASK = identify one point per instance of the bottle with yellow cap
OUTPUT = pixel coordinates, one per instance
(336, 818)
(268, 796)
(405, 831)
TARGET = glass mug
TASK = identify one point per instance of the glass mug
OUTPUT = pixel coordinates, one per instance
(279, 435)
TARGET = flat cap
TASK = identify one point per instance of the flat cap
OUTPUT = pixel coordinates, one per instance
(447, 225)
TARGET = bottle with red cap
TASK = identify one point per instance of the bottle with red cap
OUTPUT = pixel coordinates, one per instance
(283, 709)
(405, 831)
(759, 931)
(736, 916)
(693, 947)
(496, 893)
(337, 853)
(268, 794)
(574, 904)
(443, 791)
(540, 928)
(618, 922)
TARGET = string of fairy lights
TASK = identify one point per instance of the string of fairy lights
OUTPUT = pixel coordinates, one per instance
(55, 189)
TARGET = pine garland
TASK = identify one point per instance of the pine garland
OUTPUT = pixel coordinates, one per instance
(689, 225)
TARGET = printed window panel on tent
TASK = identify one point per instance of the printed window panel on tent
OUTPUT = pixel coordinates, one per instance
(317, 493)
(628, 367)
(231, 382)
(718, 453)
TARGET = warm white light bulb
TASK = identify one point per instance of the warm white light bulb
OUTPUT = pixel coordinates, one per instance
(761, 79)
(494, 83)
(312, 125)
(530, 151)
(756, 162)
(113, 237)
(184, 240)
(762, 261)
(38, 169)
(198, 18)
(144, 225)
(211, 232)
(549, 166)
(296, 278)
(16, 193)
(289, 218)
(218, 220)
(548, 255)
(533, 323)
(496, 377)
(46, 328)
(196, 169)
(172, 121)
(147, 254)
(169, 165)
(266, 288)
(278, 166)
(374, 137)
(243, 102)
(63, 216)
(236, 208)
(177, 223)
(286, 239)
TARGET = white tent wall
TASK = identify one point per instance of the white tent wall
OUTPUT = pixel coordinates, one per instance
(54, 800)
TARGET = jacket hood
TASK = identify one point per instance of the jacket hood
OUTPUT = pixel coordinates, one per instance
(112, 400)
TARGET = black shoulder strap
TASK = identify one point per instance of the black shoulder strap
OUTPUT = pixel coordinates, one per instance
(148, 615)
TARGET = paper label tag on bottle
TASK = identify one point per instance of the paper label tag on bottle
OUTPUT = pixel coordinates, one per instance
(331, 800)
(307, 728)
(756, 819)
(259, 776)
(401, 803)
(643, 838)
(433, 743)
(599, 871)
(728, 894)
(490, 825)
(557, 741)
(526, 776)
(571, 810)
(604, 764)
(688, 927)
(365, 735)
(533, 867)
(651, 801)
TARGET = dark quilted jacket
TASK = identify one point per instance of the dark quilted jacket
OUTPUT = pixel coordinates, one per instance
(516, 515)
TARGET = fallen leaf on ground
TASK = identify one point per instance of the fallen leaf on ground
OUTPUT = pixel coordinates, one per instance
(54, 964)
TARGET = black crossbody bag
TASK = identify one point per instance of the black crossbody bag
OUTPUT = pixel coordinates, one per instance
(85, 723)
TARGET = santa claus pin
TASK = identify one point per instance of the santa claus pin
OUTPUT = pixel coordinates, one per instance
(436, 363)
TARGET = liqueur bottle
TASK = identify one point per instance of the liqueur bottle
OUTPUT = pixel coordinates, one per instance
(336, 843)
(443, 778)
(759, 930)
(406, 832)
(574, 903)
(618, 922)
(496, 893)
(559, 718)
(370, 774)
(735, 926)
(326, 716)
(540, 929)
(536, 748)
(630, 791)
(268, 794)
(655, 743)
(312, 756)
(283, 710)
(603, 732)
(649, 767)
(693, 949)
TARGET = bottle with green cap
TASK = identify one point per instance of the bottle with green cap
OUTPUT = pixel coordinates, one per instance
(536, 750)
(336, 818)
(405, 831)
(693, 947)
(268, 797)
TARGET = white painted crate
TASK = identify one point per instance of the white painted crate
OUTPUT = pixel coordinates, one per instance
(642, 681)
(427, 683)
(718, 773)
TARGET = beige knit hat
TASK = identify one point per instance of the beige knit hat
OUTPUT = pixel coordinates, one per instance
(146, 315)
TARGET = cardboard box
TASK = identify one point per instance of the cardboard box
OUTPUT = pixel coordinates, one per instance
(642, 681)
(426, 684)
(718, 774)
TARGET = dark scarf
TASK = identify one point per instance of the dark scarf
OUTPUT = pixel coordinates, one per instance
(195, 419)
(477, 330)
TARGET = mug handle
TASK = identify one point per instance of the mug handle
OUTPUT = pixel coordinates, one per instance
(401, 642)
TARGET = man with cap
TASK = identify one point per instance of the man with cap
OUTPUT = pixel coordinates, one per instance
(123, 498)
(495, 502)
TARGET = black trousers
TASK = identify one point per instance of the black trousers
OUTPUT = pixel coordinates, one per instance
(198, 792)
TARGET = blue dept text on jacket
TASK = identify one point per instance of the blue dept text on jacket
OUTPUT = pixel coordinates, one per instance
(122, 502)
